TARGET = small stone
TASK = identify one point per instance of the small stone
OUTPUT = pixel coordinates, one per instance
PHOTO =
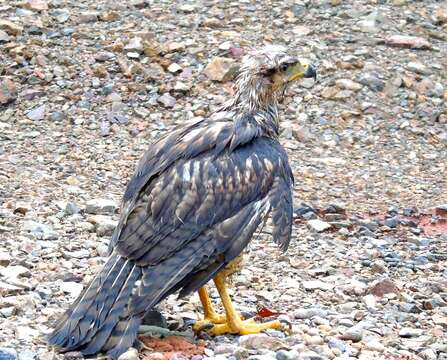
(260, 341)
(14, 272)
(36, 5)
(135, 45)
(370, 302)
(187, 8)
(174, 68)
(167, 100)
(428, 354)
(10, 28)
(5, 258)
(8, 354)
(418, 68)
(221, 69)
(87, 17)
(374, 345)
(225, 349)
(348, 84)
(8, 91)
(309, 313)
(37, 113)
(354, 333)
(57, 116)
(372, 81)
(40, 230)
(101, 206)
(71, 287)
(131, 354)
(175, 46)
(412, 42)
(337, 344)
(27, 355)
(287, 355)
(441, 14)
(407, 332)
(105, 225)
(383, 287)
(4, 37)
(318, 225)
(317, 285)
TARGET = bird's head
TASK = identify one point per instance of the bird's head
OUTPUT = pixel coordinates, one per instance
(265, 75)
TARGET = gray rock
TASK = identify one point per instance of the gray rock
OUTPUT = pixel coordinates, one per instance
(37, 113)
(101, 206)
(418, 68)
(287, 355)
(167, 100)
(40, 230)
(354, 333)
(372, 81)
(310, 312)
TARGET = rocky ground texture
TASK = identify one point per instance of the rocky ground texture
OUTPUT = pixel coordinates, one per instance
(85, 86)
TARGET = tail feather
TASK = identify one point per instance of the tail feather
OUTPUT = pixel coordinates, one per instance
(122, 337)
(90, 312)
(103, 329)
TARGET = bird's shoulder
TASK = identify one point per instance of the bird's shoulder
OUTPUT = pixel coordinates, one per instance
(223, 131)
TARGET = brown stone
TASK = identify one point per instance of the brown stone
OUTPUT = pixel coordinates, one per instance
(221, 69)
(383, 287)
(8, 91)
(10, 27)
(441, 14)
(36, 5)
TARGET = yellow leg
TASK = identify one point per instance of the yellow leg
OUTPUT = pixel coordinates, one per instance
(234, 324)
(211, 317)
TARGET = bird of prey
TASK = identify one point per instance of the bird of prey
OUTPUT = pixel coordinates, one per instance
(192, 206)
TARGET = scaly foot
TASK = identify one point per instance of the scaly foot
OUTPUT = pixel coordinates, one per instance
(209, 322)
(245, 327)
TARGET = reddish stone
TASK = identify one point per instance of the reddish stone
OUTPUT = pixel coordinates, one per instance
(383, 287)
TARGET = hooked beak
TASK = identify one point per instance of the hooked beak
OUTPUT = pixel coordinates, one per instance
(302, 69)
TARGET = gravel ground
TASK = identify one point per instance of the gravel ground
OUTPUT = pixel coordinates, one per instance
(86, 85)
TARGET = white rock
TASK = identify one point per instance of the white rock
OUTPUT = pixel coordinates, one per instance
(318, 225)
(71, 287)
(13, 272)
(317, 284)
(131, 354)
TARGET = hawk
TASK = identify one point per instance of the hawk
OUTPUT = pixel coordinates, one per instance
(192, 206)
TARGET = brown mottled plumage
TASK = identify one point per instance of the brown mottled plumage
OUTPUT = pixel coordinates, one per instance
(192, 206)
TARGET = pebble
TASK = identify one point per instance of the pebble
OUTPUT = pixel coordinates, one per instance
(72, 288)
(354, 333)
(8, 90)
(408, 332)
(319, 225)
(418, 68)
(101, 206)
(260, 341)
(221, 69)
(167, 100)
(131, 354)
(37, 113)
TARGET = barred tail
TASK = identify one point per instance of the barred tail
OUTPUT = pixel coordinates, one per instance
(97, 317)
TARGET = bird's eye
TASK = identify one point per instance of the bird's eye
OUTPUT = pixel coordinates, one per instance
(284, 67)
